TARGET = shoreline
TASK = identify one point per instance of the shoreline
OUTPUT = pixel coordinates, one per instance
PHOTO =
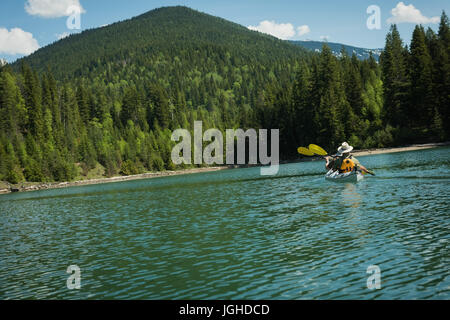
(413, 147)
(35, 186)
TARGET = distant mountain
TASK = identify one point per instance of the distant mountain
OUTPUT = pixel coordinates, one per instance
(171, 32)
(361, 53)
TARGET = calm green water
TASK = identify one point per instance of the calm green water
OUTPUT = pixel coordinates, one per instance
(236, 235)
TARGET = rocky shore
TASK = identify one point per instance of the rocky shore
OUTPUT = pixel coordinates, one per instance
(6, 187)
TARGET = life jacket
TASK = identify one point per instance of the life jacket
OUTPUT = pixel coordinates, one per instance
(347, 166)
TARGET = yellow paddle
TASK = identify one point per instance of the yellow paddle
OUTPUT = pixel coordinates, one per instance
(312, 151)
(304, 151)
(317, 150)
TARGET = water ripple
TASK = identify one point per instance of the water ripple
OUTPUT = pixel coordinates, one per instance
(236, 235)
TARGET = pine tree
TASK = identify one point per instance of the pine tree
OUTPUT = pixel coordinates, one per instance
(333, 105)
(83, 103)
(304, 111)
(436, 53)
(33, 104)
(160, 106)
(395, 79)
(132, 108)
(13, 115)
(442, 70)
(421, 71)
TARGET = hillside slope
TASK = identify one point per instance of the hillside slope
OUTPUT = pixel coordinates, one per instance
(120, 90)
(168, 31)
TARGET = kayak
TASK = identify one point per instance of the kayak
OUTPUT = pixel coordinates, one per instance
(335, 176)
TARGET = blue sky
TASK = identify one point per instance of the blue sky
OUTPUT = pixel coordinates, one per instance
(26, 25)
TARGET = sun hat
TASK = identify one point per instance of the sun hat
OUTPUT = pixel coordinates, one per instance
(344, 148)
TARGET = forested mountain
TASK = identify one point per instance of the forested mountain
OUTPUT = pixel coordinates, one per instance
(105, 101)
(160, 36)
(336, 49)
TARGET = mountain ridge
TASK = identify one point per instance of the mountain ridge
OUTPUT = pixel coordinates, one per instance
(145, 33)
(361, 53)
(142, 39)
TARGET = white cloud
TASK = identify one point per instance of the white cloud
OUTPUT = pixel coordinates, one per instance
(409, 14)
(52, 8)
(282, 31)
(324, 38)
(302, 30)
(17, 41)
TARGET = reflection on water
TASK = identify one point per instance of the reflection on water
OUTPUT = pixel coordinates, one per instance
(352, 199)
(236, 235)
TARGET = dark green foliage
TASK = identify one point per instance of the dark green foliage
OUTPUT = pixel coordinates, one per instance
(61, 166)
(14, 174)
(416, 84)
(128, 167)
(132, 109)
(442, 72)
(421, 104)
(159, 109)
(394, 62)
(33, 171)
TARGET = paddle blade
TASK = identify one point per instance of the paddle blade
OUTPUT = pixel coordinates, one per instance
(305, 152)
(317, 150)
(368, 172)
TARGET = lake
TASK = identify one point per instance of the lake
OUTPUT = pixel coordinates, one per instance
(234, 234)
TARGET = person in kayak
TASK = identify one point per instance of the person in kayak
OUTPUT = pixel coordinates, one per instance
(344, 161)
